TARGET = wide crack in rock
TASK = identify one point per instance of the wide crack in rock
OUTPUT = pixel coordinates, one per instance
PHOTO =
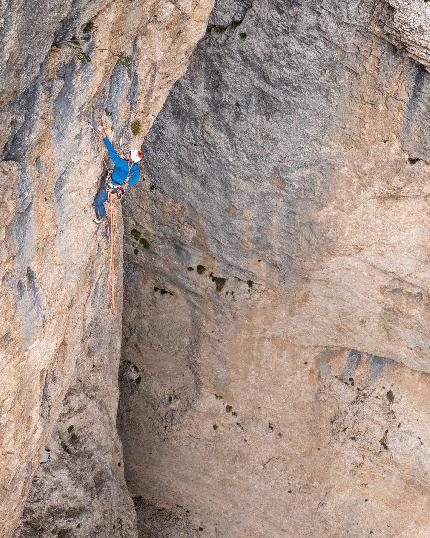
(283, 365)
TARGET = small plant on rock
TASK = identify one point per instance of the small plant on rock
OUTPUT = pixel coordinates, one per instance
(83, 57)
(219, 282)
(124, 59)
(88, 27)
(75, 41)
(135, 127)
(144, 242)
(136, 234)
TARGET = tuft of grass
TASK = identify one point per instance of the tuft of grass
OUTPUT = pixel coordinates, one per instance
(235, 24)
(136, 234)
(108, 113)
(83, 57)
(74, 40)
(190, 268)
(88, 27)
(70, 428)
(136, 127)
(163, 291)
(124, 59)
(243, 36)
(217, 28)
(144, 242)
(250, 283)
(215, 426)
(219, 282)
(200, 269)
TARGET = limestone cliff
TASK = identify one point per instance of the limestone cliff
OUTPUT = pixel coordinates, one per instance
(64, 64)
(275, 355)
(278, 322)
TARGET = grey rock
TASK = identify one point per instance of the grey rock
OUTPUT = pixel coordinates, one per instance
(293, 154)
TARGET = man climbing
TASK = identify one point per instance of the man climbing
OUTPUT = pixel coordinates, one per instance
(124, 174)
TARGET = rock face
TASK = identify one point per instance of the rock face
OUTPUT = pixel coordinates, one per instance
(62, 65)
(277, 323)
(79, 488)
(404, 24)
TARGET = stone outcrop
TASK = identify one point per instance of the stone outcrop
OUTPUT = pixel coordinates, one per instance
(405, 24)
(277, 323)
(64, 64)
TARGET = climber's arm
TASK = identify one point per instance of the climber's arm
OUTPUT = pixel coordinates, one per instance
(116, 159)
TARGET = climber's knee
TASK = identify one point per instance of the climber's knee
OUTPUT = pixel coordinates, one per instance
(99, 203)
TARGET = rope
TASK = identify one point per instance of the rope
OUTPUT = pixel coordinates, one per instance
(112, 250)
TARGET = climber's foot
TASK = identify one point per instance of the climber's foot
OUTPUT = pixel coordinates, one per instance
(98, 220)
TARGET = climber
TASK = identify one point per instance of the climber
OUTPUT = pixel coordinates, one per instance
(124, 174)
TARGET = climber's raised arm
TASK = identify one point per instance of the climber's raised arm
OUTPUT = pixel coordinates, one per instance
(116, 159)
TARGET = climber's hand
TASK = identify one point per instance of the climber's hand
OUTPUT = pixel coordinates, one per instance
(102, 132)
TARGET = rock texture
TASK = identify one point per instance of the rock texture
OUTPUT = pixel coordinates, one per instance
(62, 65)
(277, 324)
(405, 24)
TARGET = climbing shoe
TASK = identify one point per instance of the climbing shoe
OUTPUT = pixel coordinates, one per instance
(97, 220)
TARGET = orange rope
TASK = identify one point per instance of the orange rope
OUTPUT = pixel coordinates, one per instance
(112, 250)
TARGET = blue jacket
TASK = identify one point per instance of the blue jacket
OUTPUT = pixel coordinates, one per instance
(122, 167)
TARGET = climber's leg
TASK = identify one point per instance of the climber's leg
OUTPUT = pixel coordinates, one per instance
(99, 203)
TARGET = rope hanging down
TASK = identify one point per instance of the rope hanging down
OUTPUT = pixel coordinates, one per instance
(111, 199)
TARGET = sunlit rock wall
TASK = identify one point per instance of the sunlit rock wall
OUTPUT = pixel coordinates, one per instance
(275, 343)
(62, 65)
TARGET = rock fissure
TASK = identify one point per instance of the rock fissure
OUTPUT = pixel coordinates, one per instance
(282, 235)
(283, 153)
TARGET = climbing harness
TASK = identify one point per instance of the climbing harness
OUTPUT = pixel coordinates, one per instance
(119, 188)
